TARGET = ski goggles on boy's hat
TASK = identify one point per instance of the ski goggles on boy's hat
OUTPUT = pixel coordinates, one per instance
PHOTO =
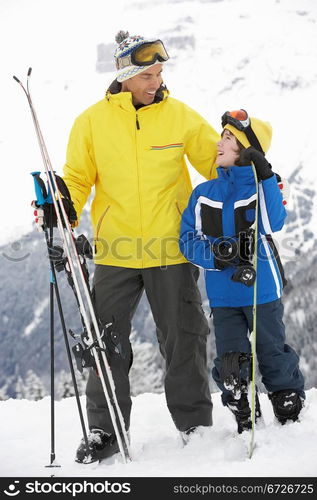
(136, 54)
(248, 131)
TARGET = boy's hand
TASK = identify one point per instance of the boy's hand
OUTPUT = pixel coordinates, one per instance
(262, 166)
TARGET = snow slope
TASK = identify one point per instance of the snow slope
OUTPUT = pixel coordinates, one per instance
(157, 450)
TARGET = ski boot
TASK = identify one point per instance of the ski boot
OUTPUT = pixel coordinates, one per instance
(235, 374)
(242, 411)
(101, 445)
(186, 435)
(287, 405)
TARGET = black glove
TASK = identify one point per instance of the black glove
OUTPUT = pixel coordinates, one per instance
(262, 166)
(226, 253)
(244, 274)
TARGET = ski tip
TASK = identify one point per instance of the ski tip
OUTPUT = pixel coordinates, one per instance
(251, 450)
(29, 71)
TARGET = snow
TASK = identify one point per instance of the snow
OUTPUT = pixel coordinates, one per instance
(156, 446)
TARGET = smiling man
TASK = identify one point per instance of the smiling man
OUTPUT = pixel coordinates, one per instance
(131, 146)
(144, 86)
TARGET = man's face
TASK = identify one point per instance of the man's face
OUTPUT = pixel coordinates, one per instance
(144, 85)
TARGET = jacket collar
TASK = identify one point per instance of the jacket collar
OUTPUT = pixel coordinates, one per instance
(236, 173)
(124, 99)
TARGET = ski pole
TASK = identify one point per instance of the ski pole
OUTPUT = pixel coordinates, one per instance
(42, 197)
(52, 356)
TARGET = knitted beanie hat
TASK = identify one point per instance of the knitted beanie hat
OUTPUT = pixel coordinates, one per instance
(127, 44)
(262, 130)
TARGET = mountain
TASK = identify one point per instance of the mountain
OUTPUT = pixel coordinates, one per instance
(226, 54)
(24, 275)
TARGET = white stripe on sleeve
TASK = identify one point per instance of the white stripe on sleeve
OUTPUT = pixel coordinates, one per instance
(264, 213)
(273, 270)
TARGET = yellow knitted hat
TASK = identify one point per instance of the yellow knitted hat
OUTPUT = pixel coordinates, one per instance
(262, 130)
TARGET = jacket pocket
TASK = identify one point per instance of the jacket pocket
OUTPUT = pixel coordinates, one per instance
(177, 208)
(103, 215)
(193, 319)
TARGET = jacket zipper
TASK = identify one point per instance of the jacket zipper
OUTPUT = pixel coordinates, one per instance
(100, 221)
(138, 175)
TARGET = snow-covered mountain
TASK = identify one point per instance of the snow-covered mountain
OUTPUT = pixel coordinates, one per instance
(224, 55)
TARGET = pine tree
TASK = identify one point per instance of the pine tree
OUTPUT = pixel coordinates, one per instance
(147, 371)
(64, 385)
(19, 389)
(34, 389)
(3, 392)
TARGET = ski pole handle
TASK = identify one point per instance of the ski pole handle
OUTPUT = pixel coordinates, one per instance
(42, 196)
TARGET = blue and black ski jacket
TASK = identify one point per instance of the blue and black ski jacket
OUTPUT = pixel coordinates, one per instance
(225, 207)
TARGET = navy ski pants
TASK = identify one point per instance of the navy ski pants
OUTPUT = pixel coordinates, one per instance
(278, 362)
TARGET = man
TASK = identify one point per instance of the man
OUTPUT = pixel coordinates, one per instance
(131, 146)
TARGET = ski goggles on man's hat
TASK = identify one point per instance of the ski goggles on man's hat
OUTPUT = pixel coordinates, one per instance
(144, 55)
(240, 120)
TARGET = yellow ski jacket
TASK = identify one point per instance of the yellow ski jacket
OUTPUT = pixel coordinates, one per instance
(136, 161)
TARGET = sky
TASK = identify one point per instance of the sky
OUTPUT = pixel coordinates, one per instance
(254, 54)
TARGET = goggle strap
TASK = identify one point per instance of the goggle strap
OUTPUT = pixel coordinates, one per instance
(253, 140)
(123, 62)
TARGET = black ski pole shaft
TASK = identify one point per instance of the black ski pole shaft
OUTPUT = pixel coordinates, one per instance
(68, 351)
(52, 358)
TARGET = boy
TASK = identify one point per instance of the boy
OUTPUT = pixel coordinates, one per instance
(217, 234)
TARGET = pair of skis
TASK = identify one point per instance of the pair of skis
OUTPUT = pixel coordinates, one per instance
(80, 285)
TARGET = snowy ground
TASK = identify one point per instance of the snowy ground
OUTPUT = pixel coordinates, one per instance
(288, 451)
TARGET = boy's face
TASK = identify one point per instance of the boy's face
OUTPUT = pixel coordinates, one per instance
(144, 85)
(228, 150)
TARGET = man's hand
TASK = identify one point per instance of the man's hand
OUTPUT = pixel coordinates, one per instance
(262, 166)
(38, 216)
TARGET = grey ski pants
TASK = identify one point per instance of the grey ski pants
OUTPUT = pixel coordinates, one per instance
(181, 329)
